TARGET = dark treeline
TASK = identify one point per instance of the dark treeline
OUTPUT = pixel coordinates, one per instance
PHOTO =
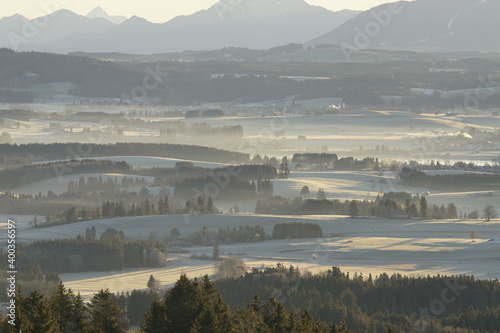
(219, 176)
(201, 130)
(71, 150)
(12, 178)
(110, 209)
(372, 304)
(10, 96)
(204, 130)
(264, 81)
(242, 234)
(193, 306)
(110, 252)
(64, 312)
(471, 181)
(327, 161)
(297, 230)
(390, 205)
(233, 187)
(196, 306)
(89, 191)
(225, 188)
(93, 78)
(56, 204)
(79, 206)
(310, 158)
(18, 114)
(204, 113)
(98, 183)
(277, 300)
(350, 163)
(306, 303)
(247, 172)
(90, 116)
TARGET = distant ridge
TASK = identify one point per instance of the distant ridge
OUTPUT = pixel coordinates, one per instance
(257, 24)
(422, 25)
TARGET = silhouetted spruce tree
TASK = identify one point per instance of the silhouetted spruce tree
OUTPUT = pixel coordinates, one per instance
(275, 315)
(105, 315)
(207, 321)
(216, 251)
(353, 209)
(304, 191)
(161, 207)
(37, 316)
(153, 284)
(155, 320)
(225, 320)
(181, 305)
(166, 205)
(210, 205)
(68, 310)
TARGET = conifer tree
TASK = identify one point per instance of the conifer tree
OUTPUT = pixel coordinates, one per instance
(68, 310)
(37, 315)
(210, 204)
(216, 251)
(275, 315)
(180, 306)
(166, 207)
(105, 315)
(423, 207)
(155, 320)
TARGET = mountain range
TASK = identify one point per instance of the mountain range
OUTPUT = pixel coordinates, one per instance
(257, 24)
(422, 25)
(419, 25)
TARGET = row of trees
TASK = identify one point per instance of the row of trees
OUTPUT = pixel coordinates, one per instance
(65, 312)
(12, 178)
(390, 205)
(242, 234)
(372, 303)
(297, 230)
(296, 302)
(199, 205)
(196, 306)
(231, 188)
(110, 252)
(193, 306)
(110, 209)
(56, 151)
(452, 182)
(95, 184)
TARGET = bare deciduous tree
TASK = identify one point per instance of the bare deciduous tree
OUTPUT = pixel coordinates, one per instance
(489, 213)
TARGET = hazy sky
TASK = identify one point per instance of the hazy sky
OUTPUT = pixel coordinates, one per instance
(153, 10)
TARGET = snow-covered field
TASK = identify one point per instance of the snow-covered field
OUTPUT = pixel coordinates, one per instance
(360, 185)
(412, 247)
(343, 184)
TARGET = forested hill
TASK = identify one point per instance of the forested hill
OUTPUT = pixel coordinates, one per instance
(92, 78)
(58, 151)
